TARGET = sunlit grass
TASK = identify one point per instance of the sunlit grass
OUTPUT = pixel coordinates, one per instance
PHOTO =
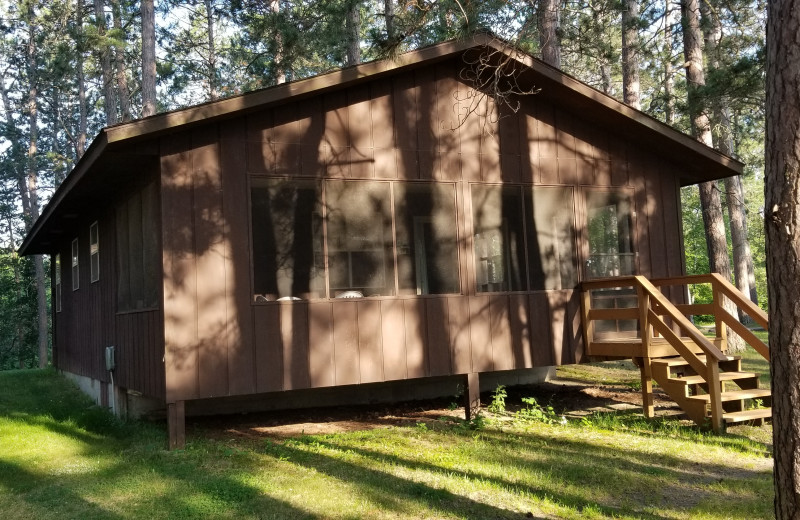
(61, 457)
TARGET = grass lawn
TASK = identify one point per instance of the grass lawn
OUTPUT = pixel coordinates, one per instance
(62, 458)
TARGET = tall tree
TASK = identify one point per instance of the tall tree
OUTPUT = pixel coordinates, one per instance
(548, 18)
(148, 58)
(122, 91)
(710, 201)
(104, 50)
(630, 53)
(353, 33)
(783, 244)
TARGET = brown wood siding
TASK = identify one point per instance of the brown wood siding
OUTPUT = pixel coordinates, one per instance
(219, 342)
(88, 322)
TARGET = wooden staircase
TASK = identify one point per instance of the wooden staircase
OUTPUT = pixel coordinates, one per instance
(656, 334)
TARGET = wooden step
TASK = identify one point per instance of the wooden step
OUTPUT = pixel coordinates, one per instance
(679, 361)
(748, 415)
(723, 376)
(735, 395)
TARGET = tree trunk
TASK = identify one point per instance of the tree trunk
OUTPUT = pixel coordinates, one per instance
(548, 18)
(80, 141)
(123, 92)
(388, 13)
(734, 194)
(782, 197)
(280, 70)
(28, 188)
(148, 58)
(213, 93)
(630, 54)
(710, 202)
(109, 94)
(353, 25)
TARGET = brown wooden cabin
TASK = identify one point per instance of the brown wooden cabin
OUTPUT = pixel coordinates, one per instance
(382, 222)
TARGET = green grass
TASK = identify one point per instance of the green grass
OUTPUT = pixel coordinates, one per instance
(61, 457)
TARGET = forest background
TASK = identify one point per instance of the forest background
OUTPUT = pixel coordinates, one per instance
(70, 67)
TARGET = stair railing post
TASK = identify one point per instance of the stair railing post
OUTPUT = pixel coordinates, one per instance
(715, 394)
(587, 326)
(720, 329)
(645, 369)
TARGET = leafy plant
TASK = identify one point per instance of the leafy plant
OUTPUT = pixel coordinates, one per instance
(498, 404)
(534, 412)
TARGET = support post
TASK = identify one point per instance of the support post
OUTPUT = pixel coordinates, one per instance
(176, 425)
(645, 368)
(472, 395)
(647, 388)
(715, 395)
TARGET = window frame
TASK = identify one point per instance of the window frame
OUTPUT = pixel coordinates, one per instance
(94, 252)
(75, 260)
(57, 275)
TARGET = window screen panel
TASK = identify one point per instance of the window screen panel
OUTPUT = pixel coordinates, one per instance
(609, 235)
(549, 213)
(359, 238)
(425, 225)
(499, 239)
(287, 239)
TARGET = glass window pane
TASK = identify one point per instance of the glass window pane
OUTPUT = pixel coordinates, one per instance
(427, 254)
(608, 228)
(359, 235)
(549, 214)
(75, 272)
(94, 252)
(287, 239)
(499, 238)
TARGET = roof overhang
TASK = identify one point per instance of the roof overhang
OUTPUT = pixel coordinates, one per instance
(114, 158)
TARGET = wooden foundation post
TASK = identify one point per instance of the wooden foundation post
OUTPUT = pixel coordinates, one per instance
(647, 388)
(472, 395)
(176, 425)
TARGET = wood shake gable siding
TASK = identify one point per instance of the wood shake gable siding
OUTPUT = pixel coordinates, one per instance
(403, 127)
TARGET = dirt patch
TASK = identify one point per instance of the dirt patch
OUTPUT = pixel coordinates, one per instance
(567, 398)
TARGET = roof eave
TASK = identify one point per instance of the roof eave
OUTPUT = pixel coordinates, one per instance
(95, 150)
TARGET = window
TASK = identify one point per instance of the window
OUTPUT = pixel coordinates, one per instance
(337, 239)
(287, 239)
(359, 238)
(499, 238)
(94, 252)
(138, 260)
(549, 214)
(524, 238)
(427, 253)
(608, 228)
(75, 271)
(58, 282)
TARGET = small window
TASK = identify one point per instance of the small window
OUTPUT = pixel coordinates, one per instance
(58, 283)
(94, 252)
(75, 272)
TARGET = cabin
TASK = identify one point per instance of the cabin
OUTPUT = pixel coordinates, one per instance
(401, 220)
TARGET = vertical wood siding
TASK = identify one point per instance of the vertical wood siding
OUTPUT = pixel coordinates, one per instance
(88, 322)
(407, 127)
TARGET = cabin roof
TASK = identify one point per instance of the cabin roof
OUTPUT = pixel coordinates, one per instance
(121, 152)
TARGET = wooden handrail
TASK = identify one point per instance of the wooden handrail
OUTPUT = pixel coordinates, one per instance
(752, 310)
(686, 326)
